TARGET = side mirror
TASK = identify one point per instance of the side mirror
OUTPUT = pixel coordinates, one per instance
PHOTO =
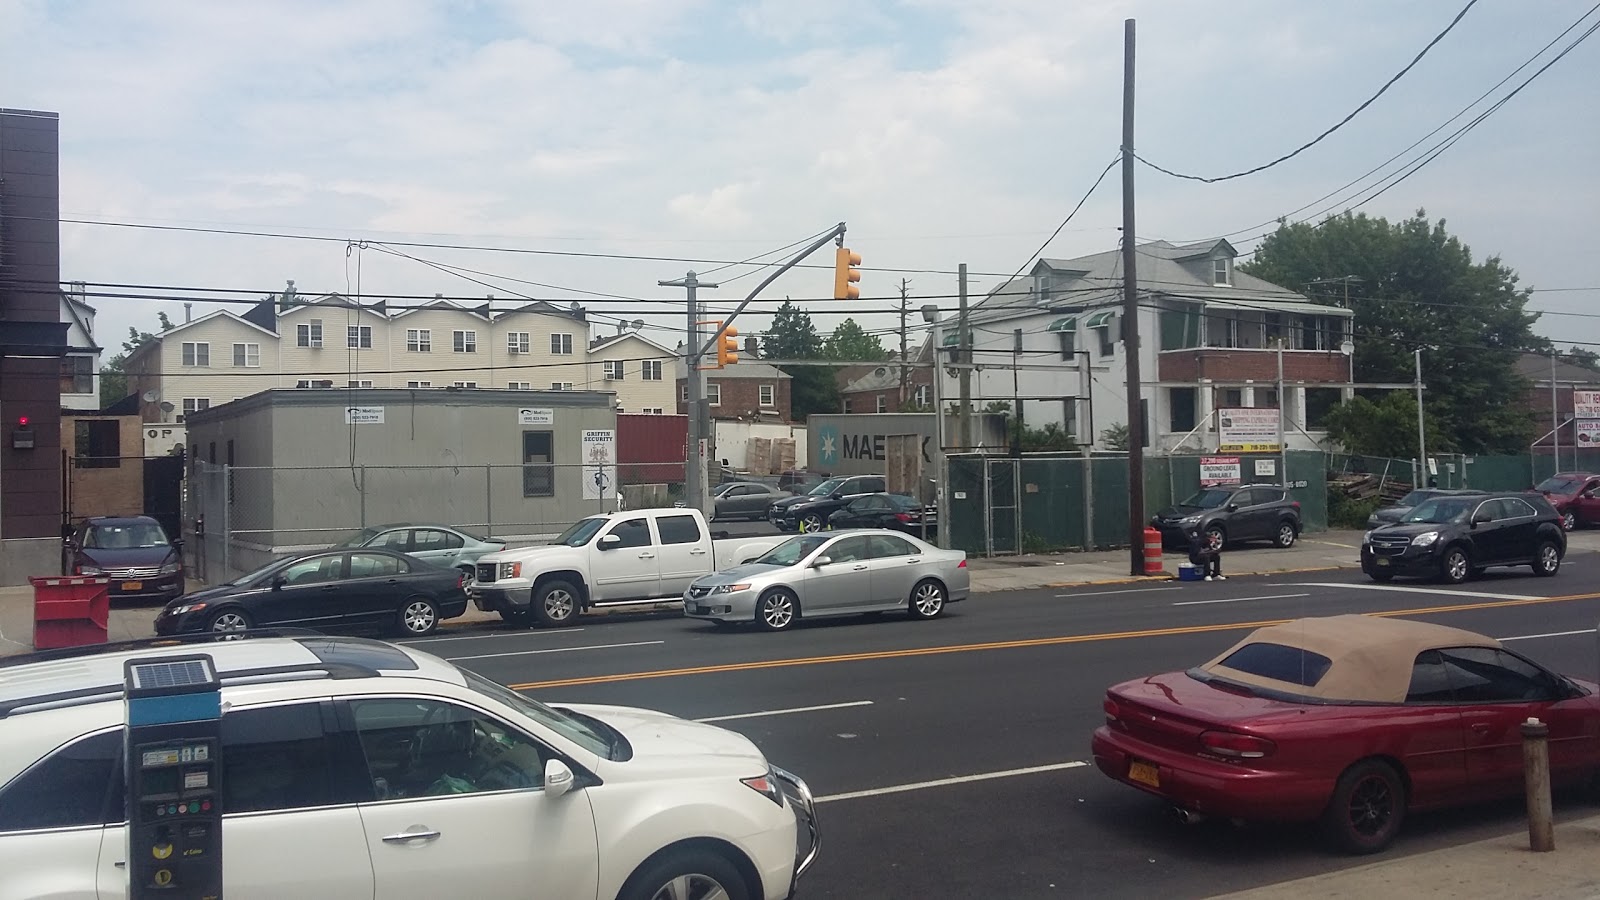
(177, 543)
(278, 581)
(610, 541)
(1233, 507)
(746, 562)
(1481, 517)
(558, 779)
(821, 561)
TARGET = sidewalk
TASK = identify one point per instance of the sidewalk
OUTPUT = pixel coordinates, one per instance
(1497, 867)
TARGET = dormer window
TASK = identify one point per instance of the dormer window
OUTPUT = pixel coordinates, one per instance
(1222, 270)
(1041, 287)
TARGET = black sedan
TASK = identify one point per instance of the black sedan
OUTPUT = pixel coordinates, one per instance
(899, 512)
(367, 589)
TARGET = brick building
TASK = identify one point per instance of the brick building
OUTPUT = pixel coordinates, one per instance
(875, 388)
(750, 391)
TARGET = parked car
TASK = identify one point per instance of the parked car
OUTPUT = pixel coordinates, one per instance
(368, 588)
(1455, 538)
(799, 481)
(896, 512)
(393, 773)
(1353, 720)
(607, 560)
(135, 552)
(1575, 495)
(1232, 514)
(438, 544)
(745, 500)
(810, 511)
(1388, 515)
(817, 575)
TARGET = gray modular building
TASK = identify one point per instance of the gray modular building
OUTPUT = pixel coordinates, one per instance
(288, 470)
(857, 443)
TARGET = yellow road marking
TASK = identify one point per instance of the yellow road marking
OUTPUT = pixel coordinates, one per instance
(1009, 645)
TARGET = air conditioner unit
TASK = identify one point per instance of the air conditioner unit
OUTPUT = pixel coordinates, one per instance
(513, 350)
(316, 343)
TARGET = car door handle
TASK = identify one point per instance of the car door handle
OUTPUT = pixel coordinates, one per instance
(647, 556)
(330, 587)
(698, 551)
(861, 568)
(913, 560)
(415, 833)
(1480, 727)
(450, 553)
(392, 581)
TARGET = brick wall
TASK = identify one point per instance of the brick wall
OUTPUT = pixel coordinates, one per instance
(1253, 365)
(741, 398)
(105, 486)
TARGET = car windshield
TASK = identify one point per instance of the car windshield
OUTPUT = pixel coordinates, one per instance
(903, 501)
(581, 532)
(1440, 510)
(132, 536)
(1209, 498)
(793, 550)
(575, 730)
(1415, 497)
(825, 488)
(358, 539)
(1559, 485)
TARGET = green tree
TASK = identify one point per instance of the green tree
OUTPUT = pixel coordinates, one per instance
(812, 389)
(1580, 356)
(1420, 288)
(851, 342)
(114, 374)
(1115, 438)
(1387, 427)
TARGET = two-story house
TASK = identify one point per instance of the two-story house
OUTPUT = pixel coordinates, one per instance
(877, 388)
(80, 368)
(749, 390)
(1209, 340)
(634, 367)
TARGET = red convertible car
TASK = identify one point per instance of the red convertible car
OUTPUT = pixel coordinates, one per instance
(1352, 720)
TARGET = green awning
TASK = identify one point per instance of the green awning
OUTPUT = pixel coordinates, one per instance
(1100, 319)
(951, 339)
(1067, 324)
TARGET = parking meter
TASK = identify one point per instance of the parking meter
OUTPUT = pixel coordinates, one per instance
(174, 778)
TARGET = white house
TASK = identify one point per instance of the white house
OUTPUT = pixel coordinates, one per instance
(635, 367)
(80, 368)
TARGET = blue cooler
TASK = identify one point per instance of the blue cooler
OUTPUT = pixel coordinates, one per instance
(1188, 572)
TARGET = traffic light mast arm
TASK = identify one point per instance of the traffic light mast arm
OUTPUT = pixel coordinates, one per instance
(834, 234)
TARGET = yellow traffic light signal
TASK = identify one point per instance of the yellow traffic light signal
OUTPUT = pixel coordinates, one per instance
(727, 345)
(845, 275)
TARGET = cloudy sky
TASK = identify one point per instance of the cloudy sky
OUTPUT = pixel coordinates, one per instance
(691, 130)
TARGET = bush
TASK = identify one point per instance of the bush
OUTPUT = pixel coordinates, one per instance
(1350, 512)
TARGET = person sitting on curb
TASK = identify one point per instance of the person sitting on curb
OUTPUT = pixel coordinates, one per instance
(1205, 556)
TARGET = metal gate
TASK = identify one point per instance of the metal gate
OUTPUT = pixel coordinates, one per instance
(1004, 480)
(163, 492)
(207, 512)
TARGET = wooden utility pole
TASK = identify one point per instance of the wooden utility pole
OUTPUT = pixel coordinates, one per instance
(905, 374)
(964, 375)
(1130, 319)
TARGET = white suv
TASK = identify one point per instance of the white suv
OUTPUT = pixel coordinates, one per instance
(354, 768)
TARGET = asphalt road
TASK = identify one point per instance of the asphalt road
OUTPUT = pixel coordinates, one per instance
(951, 757)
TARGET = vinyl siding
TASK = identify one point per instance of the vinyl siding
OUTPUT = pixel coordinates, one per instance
(539, 365)
(220, 381)
(334, 361)
(443, 365)
(633, 392)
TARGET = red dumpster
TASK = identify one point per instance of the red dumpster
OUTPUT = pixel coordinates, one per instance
(70, 611)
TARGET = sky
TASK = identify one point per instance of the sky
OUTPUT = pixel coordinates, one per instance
(697, 133)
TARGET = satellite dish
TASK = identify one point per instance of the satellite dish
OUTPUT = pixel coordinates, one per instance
(165, 406)
(152, 396)
(1347, 347)
(638, 324)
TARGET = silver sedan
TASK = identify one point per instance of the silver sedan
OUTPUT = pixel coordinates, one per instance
(835, 574)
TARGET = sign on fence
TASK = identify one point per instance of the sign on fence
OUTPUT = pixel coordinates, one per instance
(1266, 467)
(1586, 404)
(363, 415)
(1219, 470)
(1588, 432)
(536, 415)
(599, 463)
(1248, 429)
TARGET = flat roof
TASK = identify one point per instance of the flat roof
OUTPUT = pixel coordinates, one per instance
(339, 398)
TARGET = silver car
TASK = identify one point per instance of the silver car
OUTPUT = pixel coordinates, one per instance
(745, 500)
(834, 574)
(438, 544)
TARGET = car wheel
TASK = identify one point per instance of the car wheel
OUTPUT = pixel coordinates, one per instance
(1569, 520)
(418, 617)
(228, 621)
(1286, 534)
(1381, 576)
(692, 875)
(812, 522)
(1548, 560)
(555, 603)
(777, 609)
(469, 576)
(1456, 567)
(927, 599)
(1367, 807)
(1216, 536)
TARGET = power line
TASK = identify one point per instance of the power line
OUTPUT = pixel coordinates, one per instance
(1081, 201)
(1335, 127)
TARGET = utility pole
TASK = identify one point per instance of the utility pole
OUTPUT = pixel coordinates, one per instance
(1422, 433)
(694, 473)
(1130, 319)
(1555, 422)
(905, 373)
(964, 375)
(1283, 446)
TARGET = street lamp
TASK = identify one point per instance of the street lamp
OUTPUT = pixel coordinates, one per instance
(930, 314)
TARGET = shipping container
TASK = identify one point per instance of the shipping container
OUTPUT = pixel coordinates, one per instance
(651, 449)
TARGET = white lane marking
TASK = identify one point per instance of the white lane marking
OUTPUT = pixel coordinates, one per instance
(1529, 637)
(785, 712)
(555, 650)
(473, 637)
(1239, 599)
(1107, 593)
(1417, 590)
(946, 782)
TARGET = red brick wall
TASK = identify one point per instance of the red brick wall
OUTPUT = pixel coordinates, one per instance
(741, 398)
(1253, 365)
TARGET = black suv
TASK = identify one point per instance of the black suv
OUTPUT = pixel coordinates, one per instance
(1455, 538)
(1230, 514)
(810, 511)
(1389, 515)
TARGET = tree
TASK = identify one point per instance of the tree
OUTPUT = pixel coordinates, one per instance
(1387, 427)
(114, 374)
(1420, 288)
(1580, 356)
(850, 342)
(812, 389)
(1116, 438)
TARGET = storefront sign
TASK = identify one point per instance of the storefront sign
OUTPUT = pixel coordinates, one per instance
(1586, 404)
(1219, 470)
(1248, 429)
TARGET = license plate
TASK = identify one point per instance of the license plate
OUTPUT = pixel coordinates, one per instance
(1382, 561)
(133, 585)
(1144, 773)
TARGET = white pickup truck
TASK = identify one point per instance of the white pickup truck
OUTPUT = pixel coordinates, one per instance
(607, 560)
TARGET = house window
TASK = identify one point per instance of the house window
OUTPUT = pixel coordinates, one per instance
(419, 384)
(247, 355)
(651, 370)
(195, 404)
(683, 393)
(1181, 410)
(197, 354)
(561, 344)
(1271, 328)
(358, 337)
(560, 385)
(97, 444)
(1266, 398)
(1108, 345)
(1222, 271)
(465, 341)
(883, 403)
(1069, 416)
(419, 340)
(714, 394)
(652, 410)
(767, 393)
(309, 334)
(847, 404)
(466, 384)
(1068, 344)
(614, 370)
(921, 396)
(1231, 398)
(538, 464)
(360, 383)
(77, 375)
(517, 342)
(520, 385)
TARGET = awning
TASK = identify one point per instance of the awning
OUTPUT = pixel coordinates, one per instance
(1100, 319)
(1067, 324)
(951, 339)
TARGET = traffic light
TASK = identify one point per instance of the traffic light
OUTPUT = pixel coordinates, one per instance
(727, 345)
(845, 275)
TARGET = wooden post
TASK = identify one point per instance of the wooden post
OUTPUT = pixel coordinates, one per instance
(1536, 776)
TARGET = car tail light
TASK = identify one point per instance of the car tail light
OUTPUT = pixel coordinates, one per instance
(1295, 504)
(1113, 711)
(962, 564)
(1235, 745)
(904, 517)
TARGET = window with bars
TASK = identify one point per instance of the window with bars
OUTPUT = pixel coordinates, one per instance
(196, 353)
(538, 464)
(419, 340)
(466, 384)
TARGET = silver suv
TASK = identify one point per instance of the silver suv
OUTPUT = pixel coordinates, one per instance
(354, 768)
